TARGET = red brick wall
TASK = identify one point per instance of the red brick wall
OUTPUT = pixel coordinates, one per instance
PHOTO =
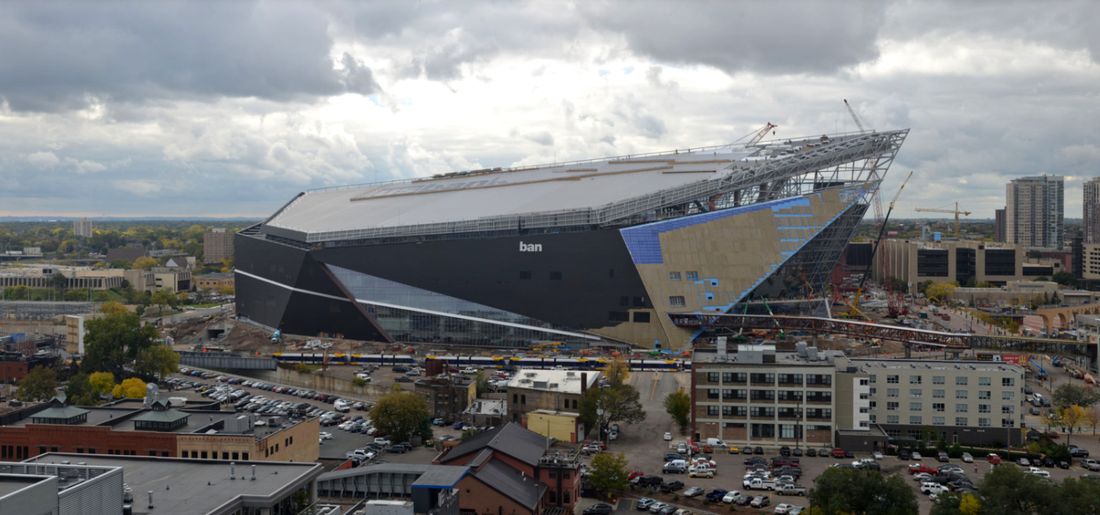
(480, 498)
(85, 438)
(12, 370)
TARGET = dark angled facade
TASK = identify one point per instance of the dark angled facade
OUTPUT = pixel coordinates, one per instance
(576, 252)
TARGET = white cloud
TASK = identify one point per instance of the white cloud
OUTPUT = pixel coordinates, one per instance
(138, 187)
(43, 160)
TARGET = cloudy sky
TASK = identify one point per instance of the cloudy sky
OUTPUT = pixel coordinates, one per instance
(209, 108)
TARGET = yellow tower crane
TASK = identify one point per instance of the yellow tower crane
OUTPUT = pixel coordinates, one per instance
(955, 212)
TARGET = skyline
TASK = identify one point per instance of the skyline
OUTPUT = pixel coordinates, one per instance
(229, 110)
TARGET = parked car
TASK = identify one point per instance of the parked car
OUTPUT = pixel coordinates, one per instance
(731, 496)
(811, 452)
(672, 486)
(1091, 464)
(643, 504)
(783, 508)
(599, 509)
(668, 437)
(790, 489)
(967, 458)
(932, 488)
(993, 458)
(694, 491)
(760, 501)
(837, 452)
(942, 457)
(1077, 452)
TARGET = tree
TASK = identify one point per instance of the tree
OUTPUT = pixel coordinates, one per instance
(102, 383)
(617, 372)
(609, 474)
(1092, 417)
(619, 404)
(157, 360)
(145, 263)
(39, 384)
(970, 505)
(1069, 394)
(678, 405)
(399, 414)
(1009, 490)
(162, 298)
(1065, 279)
(1078, 495)
(846, 490)
(114, 340)
(1072, 416)
(940, 291)
(481, 382)
(79, 391)
(129, 388)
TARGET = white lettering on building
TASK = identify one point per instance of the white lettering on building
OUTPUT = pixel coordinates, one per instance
(530, 247)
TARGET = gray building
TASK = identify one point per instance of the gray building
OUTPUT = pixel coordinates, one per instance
(77, 484)
(1092, 210)
(1034, 210)
(964, 402)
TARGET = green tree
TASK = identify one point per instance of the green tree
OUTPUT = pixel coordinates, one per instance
(79, 391)
(102, 383)
(481, 382)
(1068, 394)
(678, 405)
(1065, 279)
(609, 474)
(399, 414)
(145, 263)
(1008, 490)
(164, 298)
(1078, 495)
(39, 384)
(129, 388)
(955, 504)
(853, 491)
(619, 404)
(157, 360)
(114, 340)
(59, 282)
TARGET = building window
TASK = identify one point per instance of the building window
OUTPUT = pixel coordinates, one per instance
(961, 381)
(961, 394)
(962, 408)
(961, 421)
(891, 406)
(674, 276)
(712, 411)
(872, 378)
(937, 379)
(938, 421)
(1007, 410)
(915, 393)
(983, 408)
(915, 420)
(692, 276)
(914, 379)
(985, 394)
(983, 422)
(892, 392)
(1008, 395)
(939, 406)
(915, 406)
(938, 394)
(676, 301)
(892, 379)
(891, 419)
(984, 381)
(641, 317)
(1008, 381)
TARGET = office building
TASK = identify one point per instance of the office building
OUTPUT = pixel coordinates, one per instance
(958, 402)
(214, 282)
(1092, 210)
(447, 395)
(556, 390)
(1034, 210)
(967, 262)
(82, 228)
(217, 244)
(999, 222)
(758, 396)
(398, 488)
(79, 484)
(582, 252)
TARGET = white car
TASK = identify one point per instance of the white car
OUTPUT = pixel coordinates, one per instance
(783, 508)
(363, 376)
(731, 496)
(469, 371)
(760, 501)
(929, 487)
(916, 456)
(325, 435)
(967, 458)
(383, 441)
(1036, 471)
(878, 456)
(668, 437)
(922, 477)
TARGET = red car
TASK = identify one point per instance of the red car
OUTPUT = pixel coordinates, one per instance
(993, 459)
(838, 452)
(917, 468)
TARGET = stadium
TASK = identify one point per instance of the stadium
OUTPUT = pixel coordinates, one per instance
(584, 252)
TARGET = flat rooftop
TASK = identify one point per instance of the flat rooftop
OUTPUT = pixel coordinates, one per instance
(562, 381)
(121, 419)
(766, 357)
(929, 364)
(195, 486)
(11, 483)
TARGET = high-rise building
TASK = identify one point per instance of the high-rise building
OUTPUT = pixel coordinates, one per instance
(1092, 210)
(217, 244)
(1034, 210)
(999, 225)
(82, 227)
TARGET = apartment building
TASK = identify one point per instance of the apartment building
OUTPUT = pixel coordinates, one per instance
(217, 244)
(82, 228)
(964, 402)
(1034, 207)
(758, 396)
(555, 390)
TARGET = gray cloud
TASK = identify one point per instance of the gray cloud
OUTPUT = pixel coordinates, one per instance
(60, 55)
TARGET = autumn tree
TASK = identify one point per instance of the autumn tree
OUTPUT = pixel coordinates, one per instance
(129, 388)
(940, 291)
(1071, 417)
(102, 383)
(145, 263)
(617, 372)
(39, 384)
(1092, 417)
(678, 405)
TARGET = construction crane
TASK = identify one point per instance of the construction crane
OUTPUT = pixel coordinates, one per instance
(876, 202)
(759, 135)
(956, 212)
(855, 117)
(878, 240)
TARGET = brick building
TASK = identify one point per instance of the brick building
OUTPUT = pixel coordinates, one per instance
(555, 390)
(513, 470)
(217, 244)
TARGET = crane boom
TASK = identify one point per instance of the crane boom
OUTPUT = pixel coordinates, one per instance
(759, 135)
(855, 118)
(881, 231)
(957, 212)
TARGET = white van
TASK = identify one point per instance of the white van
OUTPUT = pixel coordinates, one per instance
(716, 442)
(341, 406)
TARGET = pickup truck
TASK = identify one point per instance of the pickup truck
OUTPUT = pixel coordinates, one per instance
(1091, 464)
(761, 484)
(790, 489)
